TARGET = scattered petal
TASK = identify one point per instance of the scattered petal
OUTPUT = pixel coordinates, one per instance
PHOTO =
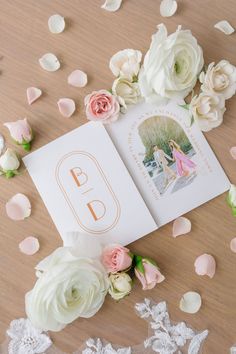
(2, 143)
(181, 226)
(77, 78)
(205, 265)
(225, 27)
(168, 8)
(233, 152)
(66, 107)
(18, 207)
(49, 62)
(233, 245)
(33, 93)
(112, 5)
(29, 246)
(56, 24)
(191, 302)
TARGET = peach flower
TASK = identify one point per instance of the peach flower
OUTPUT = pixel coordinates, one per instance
(102, 106)
(116, 258)
(147, 273)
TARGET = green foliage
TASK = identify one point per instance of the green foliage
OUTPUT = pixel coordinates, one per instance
(159, 131)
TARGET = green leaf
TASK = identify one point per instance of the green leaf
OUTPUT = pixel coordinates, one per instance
(139, 266)
(234, 211)
(9, 174)
(185, 106)
(26, 146)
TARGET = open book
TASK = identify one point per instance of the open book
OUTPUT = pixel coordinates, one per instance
(123, 181)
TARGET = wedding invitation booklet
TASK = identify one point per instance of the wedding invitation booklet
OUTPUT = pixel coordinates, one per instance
(126, 180)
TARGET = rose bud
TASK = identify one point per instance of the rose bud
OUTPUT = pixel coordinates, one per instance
(116, 258)
(120, 285)
(21, 133)
(147, 272)
(9, 164)
(231, 199)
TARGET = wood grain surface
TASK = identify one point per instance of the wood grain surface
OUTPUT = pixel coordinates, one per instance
(91, 37)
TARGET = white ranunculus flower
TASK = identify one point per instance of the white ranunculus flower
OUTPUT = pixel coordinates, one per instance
(69, 286)
(126, 63)
(208, 110)
(128, 92)
(220, 79)
(171, 66)
(120, 285)
(9, 163)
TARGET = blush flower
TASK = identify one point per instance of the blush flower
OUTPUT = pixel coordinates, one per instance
(147, 273)
(116, 258)
(21, 132)
(102, 106)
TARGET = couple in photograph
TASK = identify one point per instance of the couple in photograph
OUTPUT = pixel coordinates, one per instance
(183, 164)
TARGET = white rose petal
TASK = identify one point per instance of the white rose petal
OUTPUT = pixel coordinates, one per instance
(77, 78)
(56, 24)
(33, 93)
(120, 285)
(49, 62)
(66, 107)
(126, 63)
(225, 27)
(168, 8)
(127, 92)
(2, 143)
(191, 302)
(18, 207)
(111, 5)
(29, 246)
(181, 226)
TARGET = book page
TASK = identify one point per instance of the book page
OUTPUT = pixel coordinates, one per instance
(169, 159)
(87, 188)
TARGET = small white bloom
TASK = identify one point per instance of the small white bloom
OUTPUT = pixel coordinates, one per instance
(232, 196)
(120, 285)
(126, 63)
(171, 66)
(9, 163)
(220, 79)
(128, 91)
(208, 110)
(69, 286)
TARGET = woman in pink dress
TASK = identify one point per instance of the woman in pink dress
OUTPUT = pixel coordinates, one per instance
(183, 163)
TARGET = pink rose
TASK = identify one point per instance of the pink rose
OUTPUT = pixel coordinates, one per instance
(102, 106)
(21, 132)
(148, 273)
(116, 258)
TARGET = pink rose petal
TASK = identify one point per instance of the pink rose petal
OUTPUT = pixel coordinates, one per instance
(33, 93)
(29, 246)
(181, 226)
(66, 107)
(77, 78)
(205, 265)
(18, 207)
(233, 245)
(233, 152)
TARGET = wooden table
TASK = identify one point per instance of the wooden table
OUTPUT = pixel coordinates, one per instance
(92, 36)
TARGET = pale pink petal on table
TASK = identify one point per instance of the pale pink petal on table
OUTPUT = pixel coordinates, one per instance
(18, 207)
(77, 78)
(30, 245)
(66, 107)
(205, 265)
(233, 152)
(181, 226)
(33, 93)
(233, 245)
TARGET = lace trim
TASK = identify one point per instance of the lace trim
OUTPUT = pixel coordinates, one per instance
(166, 337)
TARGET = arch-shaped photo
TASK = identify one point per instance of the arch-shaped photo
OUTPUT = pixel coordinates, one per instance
(169, 157)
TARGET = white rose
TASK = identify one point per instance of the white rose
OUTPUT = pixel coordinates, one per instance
(220, 79)
(127, 92)
(171, 66)
(69, 286)
(208, 110)
(232, 198)
(9, 163)
(120, 285)
(126, 63)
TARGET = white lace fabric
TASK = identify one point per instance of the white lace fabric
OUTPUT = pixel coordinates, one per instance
(166, 337)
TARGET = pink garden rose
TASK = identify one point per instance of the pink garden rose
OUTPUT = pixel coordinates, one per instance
(21, 132)
(102, 106)
(116, 258)
(148, 273)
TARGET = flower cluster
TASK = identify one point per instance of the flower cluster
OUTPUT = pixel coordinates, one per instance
(74, 281)
(218, 84)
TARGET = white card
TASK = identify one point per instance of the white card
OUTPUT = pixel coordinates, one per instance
(172, 177)
(86, 187)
